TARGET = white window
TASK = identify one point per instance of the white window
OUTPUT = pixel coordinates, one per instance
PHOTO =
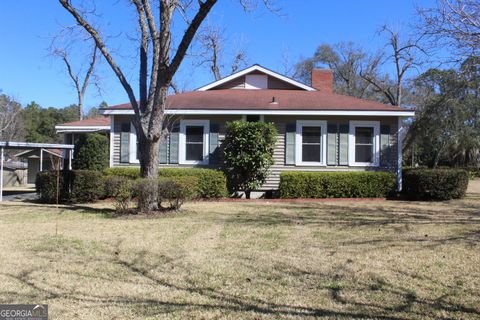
(310, 143)
(133, 145)
(364, 143)
(193, 148)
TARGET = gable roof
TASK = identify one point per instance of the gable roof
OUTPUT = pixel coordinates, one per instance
(36, 152)
(258, 68)
(218, 98)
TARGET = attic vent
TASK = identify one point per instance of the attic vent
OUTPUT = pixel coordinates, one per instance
(256, 81)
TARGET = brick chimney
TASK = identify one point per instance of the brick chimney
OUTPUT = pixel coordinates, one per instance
(322, 80)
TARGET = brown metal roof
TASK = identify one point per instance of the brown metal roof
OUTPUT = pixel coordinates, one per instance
(100, 121)
(241, 99)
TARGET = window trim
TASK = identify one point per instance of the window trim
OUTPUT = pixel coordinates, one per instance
(182, 141)
(376, 143)
(132, 150)
(299, 139)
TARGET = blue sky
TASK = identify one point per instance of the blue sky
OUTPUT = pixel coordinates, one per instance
(29, 74)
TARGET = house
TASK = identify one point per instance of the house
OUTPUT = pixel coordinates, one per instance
(318, 130)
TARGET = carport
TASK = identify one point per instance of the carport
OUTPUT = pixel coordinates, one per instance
(32, 146)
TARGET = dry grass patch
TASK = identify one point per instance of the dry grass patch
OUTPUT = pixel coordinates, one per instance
(383, 260)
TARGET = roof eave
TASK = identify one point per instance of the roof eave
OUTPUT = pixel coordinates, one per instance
(379, 113)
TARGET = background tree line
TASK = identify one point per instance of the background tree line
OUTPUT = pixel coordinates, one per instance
(33, 123)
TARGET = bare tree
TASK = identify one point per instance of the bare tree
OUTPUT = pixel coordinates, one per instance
(10, 120)
(214, 54)
(404, 57)
(80, 82)
(158, 65)
(455, 23)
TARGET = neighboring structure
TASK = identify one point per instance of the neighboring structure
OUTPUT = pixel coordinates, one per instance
(69, 129)
(14, 174)
(318, 130)
(75, 128)
(31, 148)
(40, 160)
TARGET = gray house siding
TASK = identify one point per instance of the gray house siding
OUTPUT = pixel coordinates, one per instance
(388, 141)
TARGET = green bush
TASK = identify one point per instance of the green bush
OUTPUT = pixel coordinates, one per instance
(435, 184)
(91, 152)
(127, 172)
(46, 187)
(176, 190)
(123, 194)
(248, 152)
(75, 186)
(211, 184)
(336, 184)
(85, 185)
(111, 183)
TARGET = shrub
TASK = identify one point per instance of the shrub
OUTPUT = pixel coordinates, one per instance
(123, 195)
(336, 184)
(75, 186)
(111, 183)
(248, 152)
(127, 172)
(211, 184)
(46, 187)
(85, 185)
(176, 190)
(91, 152)
(435, 184)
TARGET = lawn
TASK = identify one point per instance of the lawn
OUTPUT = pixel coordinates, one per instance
(249, 260)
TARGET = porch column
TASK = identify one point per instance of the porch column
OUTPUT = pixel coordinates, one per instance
(70, 154)
(1, 175)
(399, 153)
(41, 160)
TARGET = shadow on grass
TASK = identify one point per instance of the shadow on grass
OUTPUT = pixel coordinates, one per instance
(340, 285)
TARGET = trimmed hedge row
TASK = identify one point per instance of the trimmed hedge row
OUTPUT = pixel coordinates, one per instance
(435, 184)
(211, 183)
(75, 186)
(127, 172)
(336, 184)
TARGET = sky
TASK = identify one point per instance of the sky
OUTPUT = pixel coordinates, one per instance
(28, 73)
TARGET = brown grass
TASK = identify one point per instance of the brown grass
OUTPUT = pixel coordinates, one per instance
(383, 260)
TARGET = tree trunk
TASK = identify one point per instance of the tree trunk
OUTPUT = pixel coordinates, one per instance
(247, 194)
(80, 107)
(148, 157)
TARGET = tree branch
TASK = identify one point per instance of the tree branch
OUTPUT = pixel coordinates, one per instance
(204, 9)
(101, 46)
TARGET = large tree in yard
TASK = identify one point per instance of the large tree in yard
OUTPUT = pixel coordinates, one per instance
(158, 64)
